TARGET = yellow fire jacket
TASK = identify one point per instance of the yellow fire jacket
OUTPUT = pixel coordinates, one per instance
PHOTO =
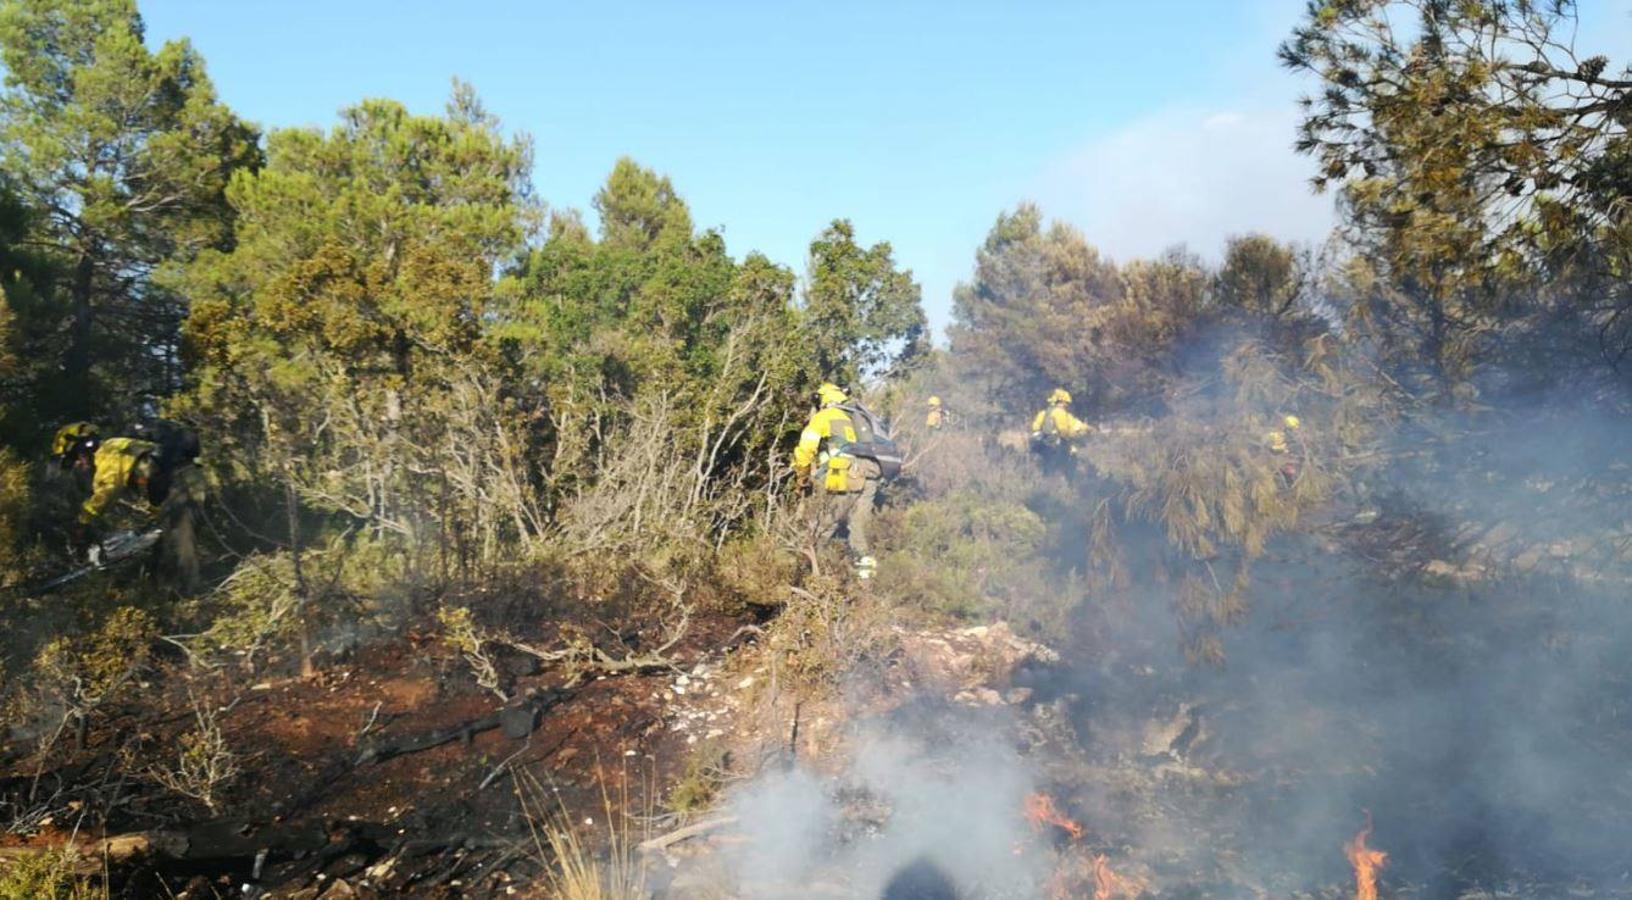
(1067, 425)
(121, 464)
(830, 426)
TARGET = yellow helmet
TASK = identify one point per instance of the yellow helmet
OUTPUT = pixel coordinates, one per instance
(830, 394)
(1293, 422)
(1060, 395)
(72, 435)
(934, 402)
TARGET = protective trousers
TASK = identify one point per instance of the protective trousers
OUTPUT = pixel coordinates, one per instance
(178, 549)
(851, 508)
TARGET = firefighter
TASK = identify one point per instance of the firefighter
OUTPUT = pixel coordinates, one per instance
(845, 486)
(1055, 433)
(160, 474)
(1054, 423)
(1286, 443)
(936, 419)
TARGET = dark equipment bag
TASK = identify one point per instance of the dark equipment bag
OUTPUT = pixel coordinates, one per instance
(873, 441)
(178, 444)
(178, 447)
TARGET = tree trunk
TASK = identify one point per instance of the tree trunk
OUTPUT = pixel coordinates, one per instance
(302, 596)
(77, 363)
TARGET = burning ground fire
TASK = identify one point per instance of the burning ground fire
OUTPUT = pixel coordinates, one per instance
(1108, 884)
(1041, 811)
(1366, 862)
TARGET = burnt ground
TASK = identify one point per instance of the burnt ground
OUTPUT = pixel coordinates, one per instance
(1462, 681)
(448, 817)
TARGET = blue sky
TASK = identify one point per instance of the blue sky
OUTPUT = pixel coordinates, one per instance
(1147, 124)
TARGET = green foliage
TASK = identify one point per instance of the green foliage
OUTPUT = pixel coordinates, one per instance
(1261, 276)
(48, 876)
(1480, 176)
(83, 670)
(755, 572)
(1046, 310)
(675, 377)
(1185, 371)
(124, 154)
(1023, 324)
(24, 310)
(14, 473)
(653, 332)
(14, 509)
(338, 346)
(862, 317)
(971, 554)
(639, 210)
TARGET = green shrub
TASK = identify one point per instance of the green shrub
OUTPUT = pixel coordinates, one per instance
(967, 556)
(827, 634)
(48, 876)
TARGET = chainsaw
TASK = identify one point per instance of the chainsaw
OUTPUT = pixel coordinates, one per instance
(120, 547)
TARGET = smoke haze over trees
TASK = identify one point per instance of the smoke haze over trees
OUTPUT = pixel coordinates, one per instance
(1361, 502)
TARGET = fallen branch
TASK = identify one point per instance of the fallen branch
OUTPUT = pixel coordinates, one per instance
(662, 842)
(499, 769)
(378, 753)
(209, 841)
(589, 660)
(372, 718)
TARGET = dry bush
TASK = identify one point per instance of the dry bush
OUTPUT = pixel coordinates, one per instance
(205, 763)
(460, 631)
(698, 786)
(755, 571)
(661, 602)
(267, 605)
(826, 634)
(73, 676)
(487, 500)
(665, 483)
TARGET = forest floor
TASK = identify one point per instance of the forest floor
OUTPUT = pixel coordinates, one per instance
(389, 772)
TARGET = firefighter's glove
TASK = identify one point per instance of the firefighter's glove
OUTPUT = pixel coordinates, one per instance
(80, 540)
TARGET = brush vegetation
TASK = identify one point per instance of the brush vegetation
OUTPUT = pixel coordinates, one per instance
(430, 403)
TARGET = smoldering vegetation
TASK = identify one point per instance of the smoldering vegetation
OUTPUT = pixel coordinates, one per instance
(1346, 552)
(915, 804)
(1442, 653)
(1455, 662)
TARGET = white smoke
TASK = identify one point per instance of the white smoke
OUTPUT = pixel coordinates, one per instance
(1189, 176)
(908, 800)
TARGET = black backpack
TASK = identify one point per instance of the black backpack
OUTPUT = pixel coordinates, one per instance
(178, 444)
(873, 441)
(178, 447)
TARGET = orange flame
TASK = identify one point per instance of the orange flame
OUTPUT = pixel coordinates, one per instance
(1366, 862)
(1108, 884)
(1040, 811)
